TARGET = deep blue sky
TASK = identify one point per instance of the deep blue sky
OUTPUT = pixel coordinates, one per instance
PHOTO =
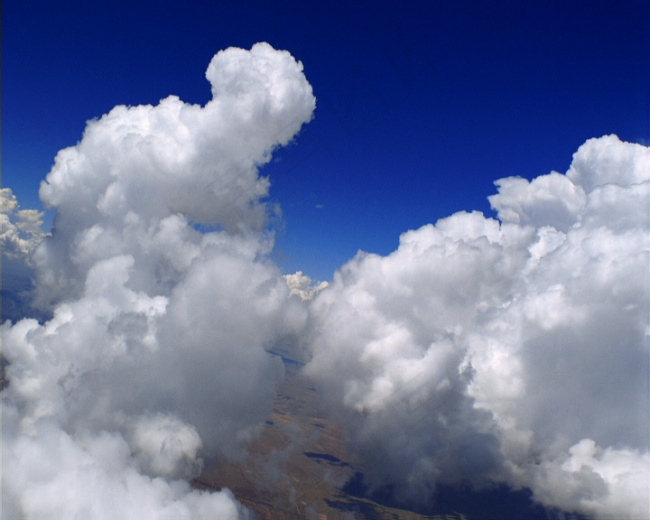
(421, 105)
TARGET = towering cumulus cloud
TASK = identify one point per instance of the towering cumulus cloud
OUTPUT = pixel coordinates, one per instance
(162, 301)
(505, 351)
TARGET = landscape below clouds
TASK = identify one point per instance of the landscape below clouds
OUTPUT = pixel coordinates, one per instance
(483, 353)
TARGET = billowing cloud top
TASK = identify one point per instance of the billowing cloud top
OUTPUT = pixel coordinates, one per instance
(140, 173)
(513, 351)
(156, 350)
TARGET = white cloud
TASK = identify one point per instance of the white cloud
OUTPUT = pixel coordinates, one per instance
(54, 474)
(511, 352)
(136, 167)
(21, 230)
(481, 350)
(165, 445)
(608, 483)
(549, 200)
(303, 286)
(156, 351)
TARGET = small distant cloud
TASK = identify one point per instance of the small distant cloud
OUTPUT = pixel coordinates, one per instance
(21, 230)
(303, 286)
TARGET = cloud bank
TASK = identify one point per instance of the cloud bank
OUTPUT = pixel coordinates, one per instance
(513, 350)
(482, 351)
(163, 302)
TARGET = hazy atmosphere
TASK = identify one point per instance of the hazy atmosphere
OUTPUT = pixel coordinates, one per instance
(440, 214)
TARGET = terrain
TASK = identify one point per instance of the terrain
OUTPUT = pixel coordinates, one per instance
(298, 468)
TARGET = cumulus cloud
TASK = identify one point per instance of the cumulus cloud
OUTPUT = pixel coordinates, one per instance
(303, 286)
(163, 302)
(505, 351)
(511, 350)
(141, 174)
(21, 230)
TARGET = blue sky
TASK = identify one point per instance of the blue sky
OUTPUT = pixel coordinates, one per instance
(421, 106)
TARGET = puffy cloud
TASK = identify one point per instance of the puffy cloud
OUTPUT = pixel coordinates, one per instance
(550, 200)
(138, 170)
(21, 230)
(607, 482)
(163, 303)
(165, 445)
(515, 351)
(303, 286)
(604, 161)
(58, 475)
(480, 351)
